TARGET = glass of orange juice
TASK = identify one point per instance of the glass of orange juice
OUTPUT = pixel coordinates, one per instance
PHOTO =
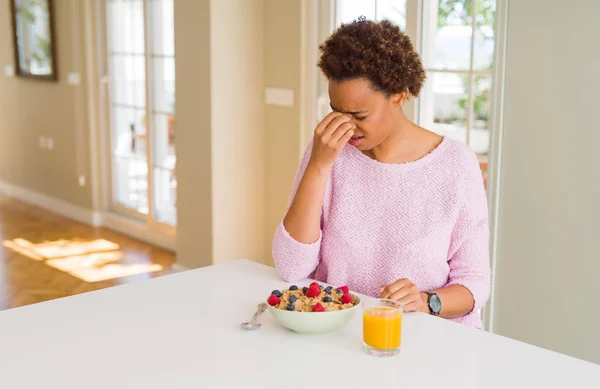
(382, 327)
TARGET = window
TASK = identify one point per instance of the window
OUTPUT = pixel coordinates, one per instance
(455, 39)
(392, 10)
(141, 63)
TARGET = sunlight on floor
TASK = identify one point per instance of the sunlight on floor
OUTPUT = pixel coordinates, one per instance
(59, 248)
(99, 266)
(90, 261)
(64, 248)
(15, 246)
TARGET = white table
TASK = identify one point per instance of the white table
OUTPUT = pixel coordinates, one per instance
(182, 331)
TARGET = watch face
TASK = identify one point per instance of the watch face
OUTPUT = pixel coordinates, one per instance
(435, 303)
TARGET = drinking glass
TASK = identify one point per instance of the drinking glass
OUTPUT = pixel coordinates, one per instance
(382, 327)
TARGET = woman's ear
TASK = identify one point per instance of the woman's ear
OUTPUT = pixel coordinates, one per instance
(400, 98)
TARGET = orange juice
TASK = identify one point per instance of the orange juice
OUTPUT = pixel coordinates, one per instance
(382, 327)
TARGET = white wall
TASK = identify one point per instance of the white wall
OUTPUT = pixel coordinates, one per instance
(548, 274)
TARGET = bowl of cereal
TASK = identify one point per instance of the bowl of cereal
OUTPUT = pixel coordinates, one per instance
(313, 309)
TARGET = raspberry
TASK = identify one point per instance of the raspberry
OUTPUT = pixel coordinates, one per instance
(314, 285)
(313, 292)
(347, 299)
(344, 289)
(318, 308)
(273, 300)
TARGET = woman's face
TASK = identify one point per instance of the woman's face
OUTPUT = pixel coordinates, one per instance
(374, 114)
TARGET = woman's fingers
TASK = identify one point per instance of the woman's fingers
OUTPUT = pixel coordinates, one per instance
(340, 132)
(402, 290)
(322, 126)
(401, 295)
(346, 137)
(327, 135)
(406, 293)
(387, 291)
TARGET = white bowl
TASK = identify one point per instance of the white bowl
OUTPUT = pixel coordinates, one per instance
(315, 322)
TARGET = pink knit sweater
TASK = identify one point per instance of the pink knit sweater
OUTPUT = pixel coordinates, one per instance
(424, 220)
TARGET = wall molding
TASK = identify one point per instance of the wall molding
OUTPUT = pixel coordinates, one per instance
(50, 203)
(110, 220)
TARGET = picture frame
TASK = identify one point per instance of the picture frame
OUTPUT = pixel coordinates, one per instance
(33, 39)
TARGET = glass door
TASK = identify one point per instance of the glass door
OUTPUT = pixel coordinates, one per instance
(141, 71)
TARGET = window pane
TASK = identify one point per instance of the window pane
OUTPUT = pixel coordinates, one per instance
(483, 50)
(163, 86)
(130, 183)
(444, 104)
(128, 132)
(125, 26)
(165, 195)
(163, 130)
(392, 10)
(128, 80)
(448, 46)
(164, 160)
(163, 40)
(163, 141)
(127, 71)
(479, 138)
(349, 10)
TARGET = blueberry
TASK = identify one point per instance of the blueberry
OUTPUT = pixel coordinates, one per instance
(290, 307)
(328, 290)
(304, 289)
(320, 286)
(327, 299)
(339, 291)
(276, 293)
(293, 298)
(293, 287)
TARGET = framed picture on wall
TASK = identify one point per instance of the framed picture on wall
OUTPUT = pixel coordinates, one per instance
(33, 39)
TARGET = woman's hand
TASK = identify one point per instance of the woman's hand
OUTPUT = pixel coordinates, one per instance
(406, 293)
(331, 135)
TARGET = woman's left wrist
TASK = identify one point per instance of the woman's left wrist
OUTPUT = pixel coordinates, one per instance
(424, 298)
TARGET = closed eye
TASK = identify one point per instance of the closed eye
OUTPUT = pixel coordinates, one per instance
(360, 118)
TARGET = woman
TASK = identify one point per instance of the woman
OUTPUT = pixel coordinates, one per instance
(380, 204)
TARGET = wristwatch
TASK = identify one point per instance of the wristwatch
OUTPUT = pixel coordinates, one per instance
(434, 303)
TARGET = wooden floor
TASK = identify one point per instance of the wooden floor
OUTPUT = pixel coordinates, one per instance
(27, 280)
